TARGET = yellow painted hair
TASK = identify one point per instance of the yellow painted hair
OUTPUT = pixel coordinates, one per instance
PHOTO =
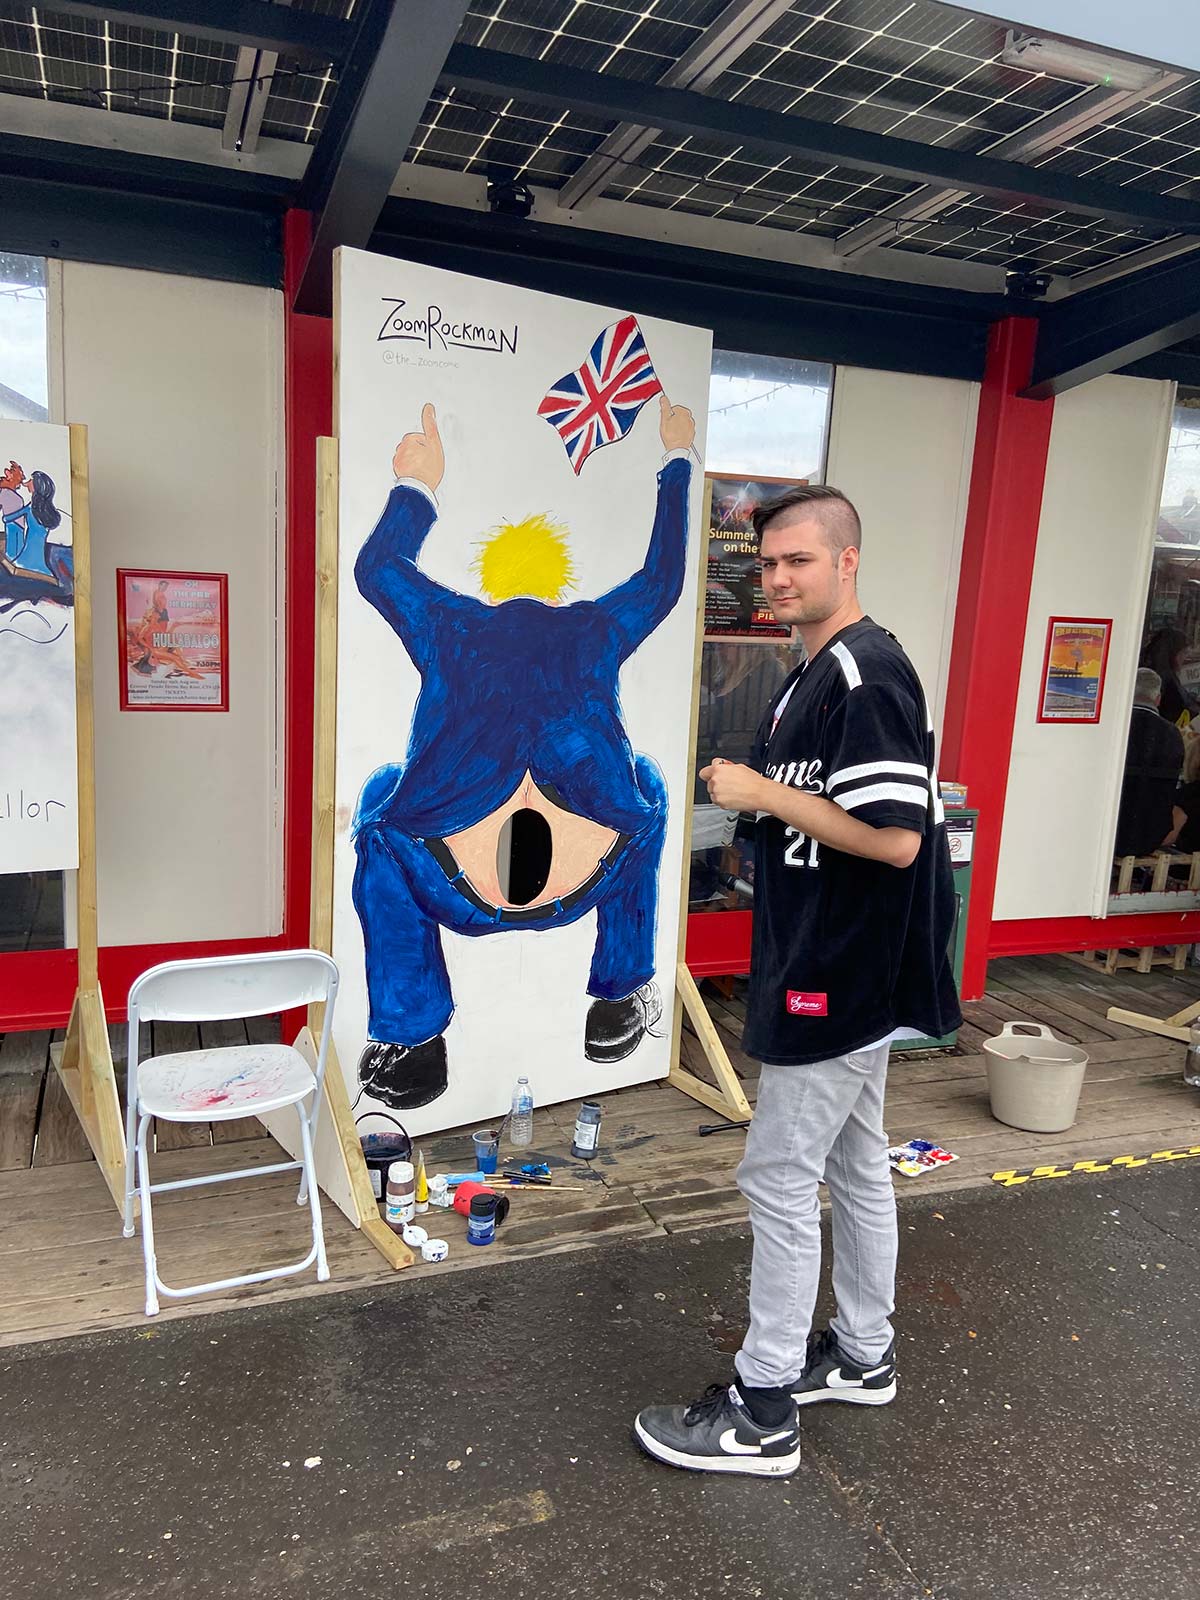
(525, 558)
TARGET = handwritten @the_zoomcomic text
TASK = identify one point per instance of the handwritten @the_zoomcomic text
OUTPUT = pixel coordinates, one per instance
(17, 806)
(439, 331)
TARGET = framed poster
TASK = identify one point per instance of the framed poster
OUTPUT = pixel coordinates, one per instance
(734, 604)
(1073, 668)
(173, 640)
(520, 493)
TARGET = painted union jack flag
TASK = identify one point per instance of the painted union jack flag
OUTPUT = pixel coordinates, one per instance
(598, 403)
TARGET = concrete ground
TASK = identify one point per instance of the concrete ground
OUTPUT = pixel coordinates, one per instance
(472, 1432)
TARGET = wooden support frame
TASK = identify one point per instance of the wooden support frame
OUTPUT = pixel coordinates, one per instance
(727, 1097)
(84, 1061)
(1176, 1026)
(341, 1170)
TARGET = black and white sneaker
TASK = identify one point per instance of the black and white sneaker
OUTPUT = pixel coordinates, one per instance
(718, 1434)
(829, 1374)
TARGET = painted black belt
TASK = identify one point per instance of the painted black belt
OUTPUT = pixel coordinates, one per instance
(457, 879)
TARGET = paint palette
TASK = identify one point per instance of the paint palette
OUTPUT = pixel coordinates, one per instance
(918, 1156)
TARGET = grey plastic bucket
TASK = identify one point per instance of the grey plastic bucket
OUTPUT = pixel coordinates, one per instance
(1034, 1083)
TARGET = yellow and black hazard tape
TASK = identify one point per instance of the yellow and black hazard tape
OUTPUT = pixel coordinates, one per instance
(1117, 1164)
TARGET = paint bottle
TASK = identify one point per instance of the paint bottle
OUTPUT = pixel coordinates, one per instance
(401, 1196)
(481, 1222)
(587, 1130)
(422, 1185)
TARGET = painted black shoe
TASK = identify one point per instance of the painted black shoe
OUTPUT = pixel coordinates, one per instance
(404, 1076)
(615, 1028)
(829, 1374)
(718, 1434)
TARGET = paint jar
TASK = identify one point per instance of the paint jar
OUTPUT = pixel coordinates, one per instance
(401, 1199)
(587, 1130)
(487, 1149)
(481, 1221)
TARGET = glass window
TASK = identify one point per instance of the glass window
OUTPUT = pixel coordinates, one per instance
(1159, 821)
(31, 903)
(768, 418)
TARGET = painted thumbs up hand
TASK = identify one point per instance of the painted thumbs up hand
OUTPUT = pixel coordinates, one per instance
(420, 455)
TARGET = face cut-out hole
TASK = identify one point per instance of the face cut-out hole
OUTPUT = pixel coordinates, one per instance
(524, 852)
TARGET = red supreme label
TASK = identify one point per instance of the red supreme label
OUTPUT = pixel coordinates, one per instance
(807, 1005)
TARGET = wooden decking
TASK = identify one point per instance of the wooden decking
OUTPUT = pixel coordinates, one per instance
(66, 1268)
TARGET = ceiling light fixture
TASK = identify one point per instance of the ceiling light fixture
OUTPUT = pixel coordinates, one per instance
(1076, 63)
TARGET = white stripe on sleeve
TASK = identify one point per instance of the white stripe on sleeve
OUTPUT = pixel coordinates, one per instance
(905, 794)
(848, 664)
(876, 769)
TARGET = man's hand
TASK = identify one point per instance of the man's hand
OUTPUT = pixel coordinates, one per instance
(677, 428)
(420, 455)
(734, 787)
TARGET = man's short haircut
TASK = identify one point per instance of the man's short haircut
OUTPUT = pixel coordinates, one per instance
(824, 504)
(1147, 685)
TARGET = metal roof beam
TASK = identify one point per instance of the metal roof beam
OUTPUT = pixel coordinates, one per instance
(247, 101)
(399, 53)
(1045, 135)
(1109, 327)
(733, 32)
(688, 114)
(254, 23)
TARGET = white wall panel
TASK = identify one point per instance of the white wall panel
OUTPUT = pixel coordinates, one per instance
(1099, 509)
(180, 383)
(901, 447)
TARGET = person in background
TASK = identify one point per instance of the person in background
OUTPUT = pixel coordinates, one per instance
(1164, 655)
(1153, 759)
(1186, 834)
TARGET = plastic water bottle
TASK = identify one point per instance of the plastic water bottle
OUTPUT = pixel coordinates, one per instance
(520, 1127)
(1191, 1067)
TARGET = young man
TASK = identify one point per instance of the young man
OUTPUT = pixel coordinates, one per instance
(853, 906)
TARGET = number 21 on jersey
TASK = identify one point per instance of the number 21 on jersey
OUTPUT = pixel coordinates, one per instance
(794, 855)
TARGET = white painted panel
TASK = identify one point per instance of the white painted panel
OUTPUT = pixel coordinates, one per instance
(1107, 449)
(901, 447)
(39, 811)
(465, 700)
(179, 381)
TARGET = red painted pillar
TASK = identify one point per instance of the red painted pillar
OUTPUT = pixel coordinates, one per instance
(1012, 440)
(308, 399)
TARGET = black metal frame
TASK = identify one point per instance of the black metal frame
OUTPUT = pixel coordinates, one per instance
(1116, 324)
(762, 307)
(256, 23)
(70, 200)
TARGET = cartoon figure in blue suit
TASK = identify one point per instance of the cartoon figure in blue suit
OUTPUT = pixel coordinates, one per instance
(521, 803)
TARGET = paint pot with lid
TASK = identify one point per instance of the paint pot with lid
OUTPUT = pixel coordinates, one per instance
(481, 1219)
(401, 1198)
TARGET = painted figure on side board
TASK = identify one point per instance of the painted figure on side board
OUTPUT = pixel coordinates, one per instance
(35, 561)
(518, 734)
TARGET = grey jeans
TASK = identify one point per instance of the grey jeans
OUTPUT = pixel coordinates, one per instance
(819, 1121)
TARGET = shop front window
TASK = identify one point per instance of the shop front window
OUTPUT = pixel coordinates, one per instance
(31, 903)
(1158, 827)
(768, 425)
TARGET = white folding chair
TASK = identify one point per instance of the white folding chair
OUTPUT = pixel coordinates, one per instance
(217, 1085)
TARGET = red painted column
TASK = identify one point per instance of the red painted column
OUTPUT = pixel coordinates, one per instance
(1012, 440)
(308, 399)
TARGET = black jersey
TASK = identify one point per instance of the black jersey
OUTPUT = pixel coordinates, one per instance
(847, 950)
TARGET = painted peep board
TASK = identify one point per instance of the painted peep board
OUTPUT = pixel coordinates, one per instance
(39, 815)
(520, 502)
